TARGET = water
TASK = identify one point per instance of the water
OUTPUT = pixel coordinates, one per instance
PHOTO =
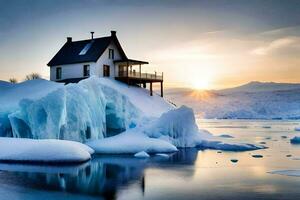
(187, 174)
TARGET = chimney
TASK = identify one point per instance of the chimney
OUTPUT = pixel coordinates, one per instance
(92, 34)
(69, 39)
(113, 33)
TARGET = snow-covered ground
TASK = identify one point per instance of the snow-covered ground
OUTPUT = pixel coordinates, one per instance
(43, 151)
(111, 117)
(255, 100)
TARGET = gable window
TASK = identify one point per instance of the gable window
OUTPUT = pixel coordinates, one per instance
(58, 73)
(111, 54)
(106, 70)
(86, 70)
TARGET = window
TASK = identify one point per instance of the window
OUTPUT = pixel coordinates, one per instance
(85, 48)
(58, 73)
(111, 54)
(106, 70)
(86, 70)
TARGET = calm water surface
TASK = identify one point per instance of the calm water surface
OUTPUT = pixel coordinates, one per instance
(187, 174)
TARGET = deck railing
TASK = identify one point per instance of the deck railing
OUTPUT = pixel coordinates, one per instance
(138, 75)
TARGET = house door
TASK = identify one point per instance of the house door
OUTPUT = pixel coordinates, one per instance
(106, 70)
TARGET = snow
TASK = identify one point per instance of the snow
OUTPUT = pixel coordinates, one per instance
(131, 142)
(255, 100)
(287, 172)
(140, 98)
(12, 94)
(142, 154)
(295, 140)
(43, 151)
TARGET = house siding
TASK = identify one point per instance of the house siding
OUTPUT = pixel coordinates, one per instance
(71, 71)
(104, 60)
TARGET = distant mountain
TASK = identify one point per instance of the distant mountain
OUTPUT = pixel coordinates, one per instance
(254, 100)
(256, 86)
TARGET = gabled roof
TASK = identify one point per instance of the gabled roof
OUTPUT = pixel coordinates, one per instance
(69, 53)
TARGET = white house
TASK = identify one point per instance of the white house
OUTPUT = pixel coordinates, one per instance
(102, 57)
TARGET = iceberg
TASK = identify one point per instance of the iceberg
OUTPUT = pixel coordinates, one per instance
(178, 127)
(80, 112)
(109, 116)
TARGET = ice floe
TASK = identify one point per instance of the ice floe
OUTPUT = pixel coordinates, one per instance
(43, 151)
(142, 154)
(287, 172)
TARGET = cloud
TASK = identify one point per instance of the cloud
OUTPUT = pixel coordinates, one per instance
(275, 45)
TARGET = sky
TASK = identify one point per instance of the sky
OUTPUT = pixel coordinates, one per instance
(209, 44)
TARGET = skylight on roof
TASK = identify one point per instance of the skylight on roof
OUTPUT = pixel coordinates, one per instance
(85, 48)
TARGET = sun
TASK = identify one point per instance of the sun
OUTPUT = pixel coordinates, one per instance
(201, 84)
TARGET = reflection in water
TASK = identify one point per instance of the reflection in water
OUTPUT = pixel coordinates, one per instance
(102, 176)
(186, 174)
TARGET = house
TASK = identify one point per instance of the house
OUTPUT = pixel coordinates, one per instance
(102, 57)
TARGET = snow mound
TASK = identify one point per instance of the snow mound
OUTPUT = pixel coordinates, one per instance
(43, 151)
(295, 140)
(141, 154)
(131, 142)
(287, 172)
(4, 85)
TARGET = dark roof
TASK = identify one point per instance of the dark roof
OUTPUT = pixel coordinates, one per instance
(69, 53)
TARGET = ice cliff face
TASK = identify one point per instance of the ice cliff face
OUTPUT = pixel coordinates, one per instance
(90, 109)
(177, 127)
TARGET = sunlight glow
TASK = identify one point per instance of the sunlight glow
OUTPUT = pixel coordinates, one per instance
(201, 84)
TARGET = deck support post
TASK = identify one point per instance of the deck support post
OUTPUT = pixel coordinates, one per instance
(151, 92)
(140, 70)
(127, 72)
(144, 85)
(161, 89)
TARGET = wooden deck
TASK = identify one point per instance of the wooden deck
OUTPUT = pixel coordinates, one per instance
(136, 78)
